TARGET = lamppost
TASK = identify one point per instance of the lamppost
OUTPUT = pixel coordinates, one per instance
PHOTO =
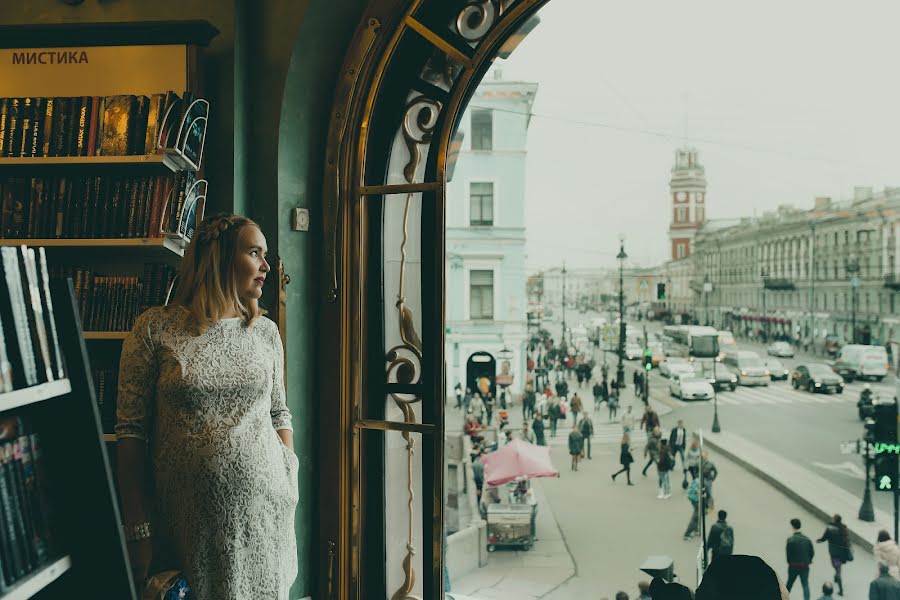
(707, 289)
(563, 342)
(764, 273)
(852, 271)
(620, 369)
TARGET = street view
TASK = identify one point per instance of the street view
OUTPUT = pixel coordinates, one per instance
(673, 358)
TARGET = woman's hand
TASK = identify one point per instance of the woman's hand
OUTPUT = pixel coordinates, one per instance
(140, 554)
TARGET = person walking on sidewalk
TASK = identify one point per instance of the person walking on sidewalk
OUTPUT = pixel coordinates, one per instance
(527, 434)
(692, 457)
(664, 465)
(576, 446)
(800, 552)
(721, 537)
(613, 405)
(710, 472)
(554, 412)
(644, 590)
(886, 551)
(476, 408)
(636, 380)
(884, 587)
(598, 396)
(627, 420)
(576, 407)
(604, 388)
(651, 450)
(838, 538)
(587, 432)
(649, 420)
(625, 459)
(827, 591)
(677, 442)
(538, 428)
(694, 493)
(489, 403)
(457, 391)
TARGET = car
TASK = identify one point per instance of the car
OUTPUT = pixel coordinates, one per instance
(665, 367)
(682, 369)
(748, 367)
(717, 375)
(781, 350)
(777, 371)
(633, 351)
(858, 361)
(690, 387)
(816, 377)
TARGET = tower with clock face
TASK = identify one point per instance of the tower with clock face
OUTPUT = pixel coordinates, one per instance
(687, 188)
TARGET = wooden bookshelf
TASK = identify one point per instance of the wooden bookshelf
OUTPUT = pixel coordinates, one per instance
(105, 335)
(32, 584)
(149, 164)
(165, 249)
(35, 393)
(109, 437)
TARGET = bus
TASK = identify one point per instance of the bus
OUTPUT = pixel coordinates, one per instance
(691, 341)
(726, 343)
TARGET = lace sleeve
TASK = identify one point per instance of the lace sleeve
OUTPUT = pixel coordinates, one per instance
(281, 416)
(138, 375)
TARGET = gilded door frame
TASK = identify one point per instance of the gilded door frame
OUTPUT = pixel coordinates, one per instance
(342, 359)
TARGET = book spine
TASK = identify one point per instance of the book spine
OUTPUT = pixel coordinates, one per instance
(37, 530)
(101, 124)
(23, 507)
(13, 127)
(61, 203)
(49, 315)
(154, 114)
(82, 132)
(6, 376)
(30, 261)
(10, 518)
(94, 126)
(13, 280)
(61, 112)
(47, 127)
(72, 137)
(26, 116)
(34, 320)
(42, 485)
(37, 127)
(4, 118)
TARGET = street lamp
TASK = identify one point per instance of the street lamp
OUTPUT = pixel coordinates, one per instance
(707, 288)
(563, 342)
(620, 369)
(764, 273)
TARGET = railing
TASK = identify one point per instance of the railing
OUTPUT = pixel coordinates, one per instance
(776, 283)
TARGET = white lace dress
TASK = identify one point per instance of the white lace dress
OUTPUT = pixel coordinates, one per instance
(225, 485)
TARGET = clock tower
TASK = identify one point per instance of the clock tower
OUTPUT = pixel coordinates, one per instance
(687, 188)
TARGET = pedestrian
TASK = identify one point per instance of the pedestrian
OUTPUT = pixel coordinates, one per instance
(884, 587)
(613, 405)
(604, 387)
(827, 591)
(576, 446)
(710, 472)
(651, 449)
(800, 552)
(527, 433)
(489, 403)
(471, 426)
(664, 464)
(554, 414)
(576, 407)
(587, 432)
(457, 390)
(538, 428)
(507, 437)
(721, 537)
(886, 551)
(649, 419)
(638, 383)
(694, 494)
(621, 596)
(597, 391)
(692, 458)
(604, 371)
(467, 399)
(838, 538)
(627, 420)
(540, 406)
(528, 402)
(635, 379)
(644, 590)
(476, 408)
(739, 577)
(677, 442)
(625, 459)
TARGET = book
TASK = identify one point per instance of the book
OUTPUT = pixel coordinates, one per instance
(13, 128)
(26, 114)
(15, 315)
(154, 120)
(82, 131)
(137, 132)
(34, 319)
(11, 523)
(6, 377)
(47, 127)
(194, 130)
(29, 259)
(49, 316)
(36, 146)
(4, 117)
(94, 125)
(61, 113)
(115, 125)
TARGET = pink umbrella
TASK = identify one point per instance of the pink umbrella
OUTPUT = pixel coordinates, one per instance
(516, 459)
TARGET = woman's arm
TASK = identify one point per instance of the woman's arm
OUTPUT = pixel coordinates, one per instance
(132, 469)
(281, 416)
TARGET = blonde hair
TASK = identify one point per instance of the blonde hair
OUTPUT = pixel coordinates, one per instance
(207, 286)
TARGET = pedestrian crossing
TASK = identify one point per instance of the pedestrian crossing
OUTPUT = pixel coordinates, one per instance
(781, 392)
(604, 433)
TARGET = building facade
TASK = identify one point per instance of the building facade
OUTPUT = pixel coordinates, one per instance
(807, 274)
(486, 300)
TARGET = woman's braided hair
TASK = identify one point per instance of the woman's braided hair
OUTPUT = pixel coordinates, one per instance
(207, 287)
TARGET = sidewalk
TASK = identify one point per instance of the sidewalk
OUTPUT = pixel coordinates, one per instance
(515, 574)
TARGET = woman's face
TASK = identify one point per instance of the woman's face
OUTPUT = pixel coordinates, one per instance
(250, 266)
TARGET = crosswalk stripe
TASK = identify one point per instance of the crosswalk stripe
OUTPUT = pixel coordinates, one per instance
(757, 395)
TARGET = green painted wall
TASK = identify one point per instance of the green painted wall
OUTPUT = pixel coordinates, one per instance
(270, 76)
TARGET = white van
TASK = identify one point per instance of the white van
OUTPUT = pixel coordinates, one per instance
(856, 361)
(747, 367)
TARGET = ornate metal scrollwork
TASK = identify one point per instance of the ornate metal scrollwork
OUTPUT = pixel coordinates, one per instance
(440, 69)
(476, 19)
(419, 121)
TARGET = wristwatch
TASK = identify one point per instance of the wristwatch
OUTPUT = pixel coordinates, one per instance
(138, 532)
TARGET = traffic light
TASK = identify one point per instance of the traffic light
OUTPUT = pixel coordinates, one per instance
(648, 360)
(660, 291)
(882, 433)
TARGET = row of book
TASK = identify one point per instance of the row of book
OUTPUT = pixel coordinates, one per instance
(29, 345)
(26, 513)
(98, 206)
(112, 303)
(96, 125)
(106, 383)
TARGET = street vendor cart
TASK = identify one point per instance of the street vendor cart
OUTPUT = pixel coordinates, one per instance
(510, 525)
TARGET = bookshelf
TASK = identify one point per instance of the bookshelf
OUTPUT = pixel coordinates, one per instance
(33, 394)
(40, 580)
(105, 335)
(142, 164)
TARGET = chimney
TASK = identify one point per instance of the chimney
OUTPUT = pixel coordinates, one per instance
(823, 203)
(861, 193)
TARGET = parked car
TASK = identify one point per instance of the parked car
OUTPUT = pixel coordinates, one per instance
(633, 351)
(718, 375)
(817, 377)
(856, 361)
(666, 366)
(690, 387)
(777, 370)
(748, 367)
(780, 349)
(682, 369)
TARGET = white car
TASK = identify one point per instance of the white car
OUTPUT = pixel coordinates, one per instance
(781, 350)
(633, 351)
(690, 387)
(672, 364)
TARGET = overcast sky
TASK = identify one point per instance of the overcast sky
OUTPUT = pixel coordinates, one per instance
(785, 100)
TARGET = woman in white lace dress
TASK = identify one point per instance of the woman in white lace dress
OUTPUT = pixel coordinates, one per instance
(207, 473)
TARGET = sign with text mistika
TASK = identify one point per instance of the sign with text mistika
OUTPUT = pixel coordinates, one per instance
(92, 71)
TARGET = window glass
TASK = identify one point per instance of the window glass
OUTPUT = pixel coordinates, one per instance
(481, 203)
(482, 129)
(481, 294)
